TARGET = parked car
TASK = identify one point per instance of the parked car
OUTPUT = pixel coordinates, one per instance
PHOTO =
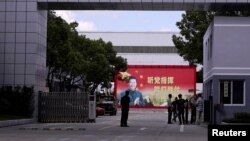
(99, 111)
(109, 103)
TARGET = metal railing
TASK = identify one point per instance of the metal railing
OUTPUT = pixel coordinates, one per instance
(63, 107)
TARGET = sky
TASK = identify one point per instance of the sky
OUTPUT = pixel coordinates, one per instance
(124, 21)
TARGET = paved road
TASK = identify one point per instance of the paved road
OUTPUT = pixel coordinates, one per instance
(145, 125)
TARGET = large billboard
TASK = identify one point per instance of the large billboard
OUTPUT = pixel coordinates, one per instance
(149, 86)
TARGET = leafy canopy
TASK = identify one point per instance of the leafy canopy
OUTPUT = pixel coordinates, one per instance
(74, 59)
(192, 29)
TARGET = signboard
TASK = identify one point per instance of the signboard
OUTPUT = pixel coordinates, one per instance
(154, 83)
(225, 88)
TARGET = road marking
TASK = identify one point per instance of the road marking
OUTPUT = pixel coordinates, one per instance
(107, 127)
(182, 128)
(143, 128)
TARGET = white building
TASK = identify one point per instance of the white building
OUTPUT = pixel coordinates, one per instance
(142, 48)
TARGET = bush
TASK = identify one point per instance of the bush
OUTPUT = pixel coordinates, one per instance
(18, 101)
(240, 117)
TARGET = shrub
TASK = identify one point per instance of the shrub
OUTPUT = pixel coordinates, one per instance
(240, 117)
(17, 101)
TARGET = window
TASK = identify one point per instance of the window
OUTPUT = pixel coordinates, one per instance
(232, 91)
(209, 45)
(208, 89)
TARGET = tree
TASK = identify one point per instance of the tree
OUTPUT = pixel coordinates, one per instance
(74, 59)
(190, 44)
(57, 47)
(193, 27)
(100, 60)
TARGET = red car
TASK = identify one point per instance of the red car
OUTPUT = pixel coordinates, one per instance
(99, 111)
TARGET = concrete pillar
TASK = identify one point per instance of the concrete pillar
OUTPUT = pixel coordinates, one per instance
(23, 31)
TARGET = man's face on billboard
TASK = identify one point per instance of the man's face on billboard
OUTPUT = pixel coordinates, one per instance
(132, 84)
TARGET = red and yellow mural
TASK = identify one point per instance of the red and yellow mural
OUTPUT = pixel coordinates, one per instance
(156, 82)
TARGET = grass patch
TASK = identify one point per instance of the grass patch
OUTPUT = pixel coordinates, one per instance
(10, 117)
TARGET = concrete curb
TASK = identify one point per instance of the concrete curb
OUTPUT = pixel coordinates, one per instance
(6, 123)
(53, 128)
(227, 123)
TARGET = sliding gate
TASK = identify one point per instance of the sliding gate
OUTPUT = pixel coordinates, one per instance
(63, 107)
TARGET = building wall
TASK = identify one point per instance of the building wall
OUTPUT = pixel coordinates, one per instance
(225, 57)
(229, 110)
(207, 43)
(134, 38)
(142, 48)
(23, 31)
(22, 44)
(153, 59)
(229, 49)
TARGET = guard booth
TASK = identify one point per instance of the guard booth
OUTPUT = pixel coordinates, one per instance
(226, 73)
(92, 108)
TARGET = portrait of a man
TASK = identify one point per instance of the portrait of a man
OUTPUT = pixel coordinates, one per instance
(136, 98)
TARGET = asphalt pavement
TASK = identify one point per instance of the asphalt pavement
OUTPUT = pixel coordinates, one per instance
(144, 125)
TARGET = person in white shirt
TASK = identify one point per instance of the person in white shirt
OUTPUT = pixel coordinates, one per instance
(199, 108)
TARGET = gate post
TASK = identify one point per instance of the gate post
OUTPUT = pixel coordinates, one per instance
(212, 113)
(39, 105)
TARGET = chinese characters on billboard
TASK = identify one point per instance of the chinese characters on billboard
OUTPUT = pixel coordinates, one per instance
(150, 85)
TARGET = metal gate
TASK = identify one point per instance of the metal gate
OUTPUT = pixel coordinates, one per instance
(63, 107)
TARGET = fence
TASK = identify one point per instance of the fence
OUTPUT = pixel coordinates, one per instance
(63, 107)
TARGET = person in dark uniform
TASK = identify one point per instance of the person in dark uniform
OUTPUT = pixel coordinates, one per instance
(174, 109)
(125, 100)
(186, 111)
(181, 106)
(169, 108)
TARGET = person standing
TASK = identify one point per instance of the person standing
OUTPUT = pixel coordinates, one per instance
(186, 111)
(181, 106)
(169, 108)
(125, 100)
(192, 102)
(174, 108)
(199, 108)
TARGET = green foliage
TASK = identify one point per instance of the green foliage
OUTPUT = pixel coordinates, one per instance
(10, 117)
(242, 115)
(239, 117)
(17, 101)
(192, 29)
(74, 59)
